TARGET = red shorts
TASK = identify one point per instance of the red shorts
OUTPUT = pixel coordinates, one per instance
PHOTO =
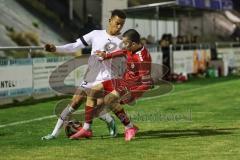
(127, 90)
(115, 84)
(136, 92)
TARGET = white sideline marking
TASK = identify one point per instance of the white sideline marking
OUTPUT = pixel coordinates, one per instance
(27, 121)
(143, 99)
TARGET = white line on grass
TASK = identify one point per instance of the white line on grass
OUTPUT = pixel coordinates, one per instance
(27, 121)
(143, 99)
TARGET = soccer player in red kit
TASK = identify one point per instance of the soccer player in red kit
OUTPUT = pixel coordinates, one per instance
(134, 82)
(137, 77)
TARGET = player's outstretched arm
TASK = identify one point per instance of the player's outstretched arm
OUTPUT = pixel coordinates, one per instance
(104, 55)
(231, 16)
(80, 43)
(67, 48)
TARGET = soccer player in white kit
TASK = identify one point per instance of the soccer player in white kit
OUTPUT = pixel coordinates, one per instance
(97, 72)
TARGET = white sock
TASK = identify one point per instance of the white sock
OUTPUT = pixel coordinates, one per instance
(86, 126)
(68, 110)
(130, 125)
(106, 117)
(57, 128)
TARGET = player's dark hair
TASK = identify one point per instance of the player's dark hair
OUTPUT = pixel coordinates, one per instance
(132, 35)
(119, 13)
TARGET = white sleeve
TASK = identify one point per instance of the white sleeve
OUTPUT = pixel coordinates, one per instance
(88, 38)
(232, 17)
(81, 42)
(71, 47)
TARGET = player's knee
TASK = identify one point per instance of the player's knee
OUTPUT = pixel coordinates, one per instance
(110, 99)
(90, 103)
(100, 101)
(77, 100)
(95, 93)
(116, 107)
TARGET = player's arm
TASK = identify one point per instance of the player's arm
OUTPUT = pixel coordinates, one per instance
(81, 42)
(231, 16)
(104, 55)
(67, 48)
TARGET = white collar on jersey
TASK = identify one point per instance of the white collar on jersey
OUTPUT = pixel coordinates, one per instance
(139, 52)
(111, 36)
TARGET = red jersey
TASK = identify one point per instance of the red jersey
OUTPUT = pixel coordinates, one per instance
(138, 65)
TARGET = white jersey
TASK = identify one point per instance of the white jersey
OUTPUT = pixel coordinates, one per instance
(98, 71)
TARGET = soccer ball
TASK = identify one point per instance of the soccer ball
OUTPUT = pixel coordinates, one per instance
(71, 127)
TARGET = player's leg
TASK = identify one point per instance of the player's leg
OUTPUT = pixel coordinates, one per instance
(76, 101)
(112, 100)
(137, 92)
(91, 104)
(105, 116)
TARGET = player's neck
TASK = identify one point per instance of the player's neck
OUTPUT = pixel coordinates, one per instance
(138, 48)
(112, 34)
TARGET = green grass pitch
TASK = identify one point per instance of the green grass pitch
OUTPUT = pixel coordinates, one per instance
(200, 119)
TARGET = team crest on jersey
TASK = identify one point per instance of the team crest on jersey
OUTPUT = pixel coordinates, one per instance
(110, 46)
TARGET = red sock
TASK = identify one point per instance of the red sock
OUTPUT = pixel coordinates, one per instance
(88, 114)
(122, 117)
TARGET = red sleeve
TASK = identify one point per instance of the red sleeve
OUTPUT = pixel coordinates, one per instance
(119, 53)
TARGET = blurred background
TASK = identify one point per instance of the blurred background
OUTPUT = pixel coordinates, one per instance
(25, 22)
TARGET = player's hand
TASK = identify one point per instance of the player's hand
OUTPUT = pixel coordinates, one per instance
(50, 48)
(101, 54)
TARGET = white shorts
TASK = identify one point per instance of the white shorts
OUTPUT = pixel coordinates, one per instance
(84, 85)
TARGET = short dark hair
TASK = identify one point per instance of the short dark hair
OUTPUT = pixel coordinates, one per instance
(132, 35)
(118, 13)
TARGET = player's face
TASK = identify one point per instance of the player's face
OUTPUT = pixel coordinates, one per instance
(115, 25)
(128, 44)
